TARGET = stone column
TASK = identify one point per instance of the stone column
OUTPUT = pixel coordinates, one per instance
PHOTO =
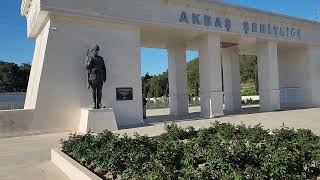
(313, 61)
(211, 95)
(268, 73)
(231, 79)
(178, 80)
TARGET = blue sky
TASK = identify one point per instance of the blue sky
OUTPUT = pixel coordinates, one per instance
(15, 47)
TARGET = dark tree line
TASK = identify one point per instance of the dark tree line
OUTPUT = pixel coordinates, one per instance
(14, 78)
(158, 85)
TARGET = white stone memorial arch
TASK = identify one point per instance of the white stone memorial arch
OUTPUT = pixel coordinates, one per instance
(287, 49)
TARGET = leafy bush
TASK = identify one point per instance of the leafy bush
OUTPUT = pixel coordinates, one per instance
(222, 151)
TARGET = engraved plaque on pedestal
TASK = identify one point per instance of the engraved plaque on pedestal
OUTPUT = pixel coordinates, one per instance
(124, 94)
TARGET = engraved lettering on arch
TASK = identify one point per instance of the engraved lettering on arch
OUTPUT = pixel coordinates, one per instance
(218, 23)
(254, 27)
(275, 29)
(184, 17)
(207, 20)
(294, 32)
(227, 24)
(282, 33)
(246, 27)
(269, 29)
(263, 28)
(196, 19)
(299, 34)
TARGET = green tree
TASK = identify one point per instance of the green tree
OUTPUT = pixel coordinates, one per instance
(14, 78)
(248, 68)
(158, 86)
(24, 76)
(155, 86)
(193, 77)
(145, 84)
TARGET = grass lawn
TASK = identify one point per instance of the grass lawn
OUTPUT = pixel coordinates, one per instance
(248, 89)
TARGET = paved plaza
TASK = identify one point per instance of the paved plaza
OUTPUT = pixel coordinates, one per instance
(250, 115)
(28, 157)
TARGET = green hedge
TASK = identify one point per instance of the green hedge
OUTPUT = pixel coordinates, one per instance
(222, 151)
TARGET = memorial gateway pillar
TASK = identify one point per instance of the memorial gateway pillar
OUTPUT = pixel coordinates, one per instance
(313, 66)
(268, 73)
(231, 79)
(211, 95)
(178, 94)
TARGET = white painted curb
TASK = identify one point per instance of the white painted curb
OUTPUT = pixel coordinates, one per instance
(70, 167)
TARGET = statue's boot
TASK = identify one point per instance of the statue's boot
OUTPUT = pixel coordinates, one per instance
(102, 106)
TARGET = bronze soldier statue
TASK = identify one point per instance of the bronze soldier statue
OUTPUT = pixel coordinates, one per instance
(97, 74)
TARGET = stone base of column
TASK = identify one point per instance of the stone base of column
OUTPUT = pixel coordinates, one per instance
(211, 104)
(231, 102)
(269, 100)
(179, 104)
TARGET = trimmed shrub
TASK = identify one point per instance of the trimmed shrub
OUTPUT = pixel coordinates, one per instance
(222, 151)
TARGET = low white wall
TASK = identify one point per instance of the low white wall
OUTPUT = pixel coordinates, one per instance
(15, 122)
(13, 100)
(70, 167)
(11, 105)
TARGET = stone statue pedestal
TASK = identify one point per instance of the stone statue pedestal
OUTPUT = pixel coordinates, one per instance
(97, 120)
